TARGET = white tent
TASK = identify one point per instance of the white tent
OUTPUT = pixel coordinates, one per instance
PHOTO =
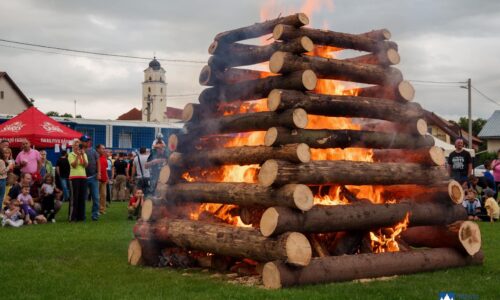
(448, 148)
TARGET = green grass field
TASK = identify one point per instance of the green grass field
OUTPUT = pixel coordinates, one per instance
(89, 261)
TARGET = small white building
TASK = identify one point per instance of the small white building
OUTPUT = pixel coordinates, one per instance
(12, 99)
(154, 93)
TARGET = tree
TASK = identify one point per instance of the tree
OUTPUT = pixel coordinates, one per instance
(52, 114)
(477, 125)
(67, 115)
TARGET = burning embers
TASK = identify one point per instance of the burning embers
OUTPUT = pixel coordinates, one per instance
(322, 164)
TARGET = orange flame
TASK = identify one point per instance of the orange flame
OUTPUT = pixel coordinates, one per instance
(353, 154)
(384, 239)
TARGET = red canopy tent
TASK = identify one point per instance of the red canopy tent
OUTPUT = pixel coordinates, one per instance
(41, 130)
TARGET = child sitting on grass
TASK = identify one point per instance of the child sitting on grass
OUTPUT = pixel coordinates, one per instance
(135, 204)
(27, 203)
(48, 191)
(13, 216)
(472, 204)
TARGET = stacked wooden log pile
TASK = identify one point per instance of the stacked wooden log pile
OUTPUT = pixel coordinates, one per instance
(302, 240)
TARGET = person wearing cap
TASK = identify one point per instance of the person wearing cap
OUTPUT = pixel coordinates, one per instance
(158, 140)
(93, 171)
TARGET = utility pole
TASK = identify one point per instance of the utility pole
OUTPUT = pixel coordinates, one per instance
(75, 108)
(469, 90)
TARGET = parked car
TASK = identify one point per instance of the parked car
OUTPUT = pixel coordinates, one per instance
(479, 171)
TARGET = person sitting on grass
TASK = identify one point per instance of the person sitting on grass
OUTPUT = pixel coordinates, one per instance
(13, 216)
(135, 204)
(472, 204)
(48, 193)
(27, 203)
(491, 205)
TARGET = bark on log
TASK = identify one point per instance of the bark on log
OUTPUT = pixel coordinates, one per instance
(418, 127)
(259, 29)
(403, 92)
(324, 138)
(344, 106)
(277, 172)
(431, 156)
(245, 155)
(329, 68)
(378, 34)
(192, 142)
(349, 267)
(293, 118)
(258, 54)
(357, 217)
(292, 247)
(259, 88)
(251, 215)
(194, 112)
(243, 194)
(440, 191)
(384, 58)
(347, 243)
(464, 236)
(211, 76)
(332, 38)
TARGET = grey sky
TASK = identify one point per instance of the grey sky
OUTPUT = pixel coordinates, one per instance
(438, 40)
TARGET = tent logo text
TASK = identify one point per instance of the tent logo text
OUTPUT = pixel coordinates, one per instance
(50, 127)
(14, 127)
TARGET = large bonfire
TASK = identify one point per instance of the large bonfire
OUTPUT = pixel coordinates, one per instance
(318, 169)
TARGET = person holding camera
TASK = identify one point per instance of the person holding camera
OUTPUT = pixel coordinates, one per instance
(140, 172)
(78, 181)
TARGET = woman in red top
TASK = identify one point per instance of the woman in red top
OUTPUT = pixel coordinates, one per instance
(102, 177)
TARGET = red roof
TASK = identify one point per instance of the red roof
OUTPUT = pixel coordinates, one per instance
(173, 113)
(132, 115)
(16, 88)
(42, 131)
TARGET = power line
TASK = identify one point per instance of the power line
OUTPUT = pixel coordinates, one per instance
(485, 96)
(98, 53)
(437, 82)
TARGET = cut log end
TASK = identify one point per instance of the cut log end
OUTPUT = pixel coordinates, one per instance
(135, 253)
(278, 31)
(422, 127)
(303, 18)
(386, 34)
(300, 118)
(470, 237)
(298, 249)
(205, 75)
(271, 136)
(147, 210)
(309, 80)
(437, 155)
(303, 153)
(277, 61)
(456, 192)
(406, 90)
(269, 221)
(268, 172)
(213, 46)
(274, 99)
(188, 111)
(303, 197)
(307, 43)
(271, 276)
(393, 57)
(165, 174)
(173, 141)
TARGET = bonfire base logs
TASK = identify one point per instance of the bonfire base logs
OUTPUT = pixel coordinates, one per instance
(350, 267)
(292, 247)
(245, 194)
(324, 138)
(404, 91)
(344, 106)
(356, 217)
(212, 76)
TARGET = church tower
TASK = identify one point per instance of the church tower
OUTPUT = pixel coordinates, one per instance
(154, 93)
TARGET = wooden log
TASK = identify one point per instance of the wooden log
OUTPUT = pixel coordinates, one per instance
(464, 236)
(135, 253)
(418, 127)
(404, 91)
(317, 246)
(259, 88)
(297, 196)
(378, 34)
(431, 156)
(211, 76)
(357, 217)
(194, 112)
(383, 58)
(332, 38)
(259, 29)
(258, 54)
(150, 249)
(251, 215)
(347, 243)
(440, 191)
(344, 106)
(277, 172)
(325, 138)
(330, 68)
(245, 155)
(293, 118)
(292, 247)
(349, 267)
(184, 142)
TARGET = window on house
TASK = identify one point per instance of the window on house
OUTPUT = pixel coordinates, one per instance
(161, 90)
(1, 94)
(150, 78)
(125, 140)
(149, 89)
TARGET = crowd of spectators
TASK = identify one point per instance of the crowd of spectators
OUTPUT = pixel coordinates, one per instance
(32, 189)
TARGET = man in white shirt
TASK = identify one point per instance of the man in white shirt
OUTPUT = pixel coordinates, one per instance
(140, 172)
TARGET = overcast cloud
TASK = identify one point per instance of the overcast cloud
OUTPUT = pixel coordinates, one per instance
(438, 40)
